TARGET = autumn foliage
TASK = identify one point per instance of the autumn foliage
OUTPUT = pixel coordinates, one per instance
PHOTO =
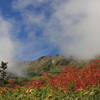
(69, 79)
(81, 78)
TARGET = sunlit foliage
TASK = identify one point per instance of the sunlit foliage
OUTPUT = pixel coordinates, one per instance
(70, 84)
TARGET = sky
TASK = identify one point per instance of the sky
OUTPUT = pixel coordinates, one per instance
(30, 29)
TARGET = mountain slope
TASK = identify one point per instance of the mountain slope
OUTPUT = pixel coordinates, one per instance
(48, 63)
(43, 64)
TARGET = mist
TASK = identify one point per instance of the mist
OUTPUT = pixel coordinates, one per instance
(8, 49)
(76, 31)
(72, 26)
(6, 44)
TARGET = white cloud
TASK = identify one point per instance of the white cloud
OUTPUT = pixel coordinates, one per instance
(79, 33)
(6, 44)
(23, 4)
(73, 25)
(34, 22)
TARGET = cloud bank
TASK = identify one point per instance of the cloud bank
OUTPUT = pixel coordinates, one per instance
(7, 45)
(79, 33)
(71, 25)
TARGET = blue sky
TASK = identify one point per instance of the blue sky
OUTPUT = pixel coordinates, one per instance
(29, 47)
(34, 28)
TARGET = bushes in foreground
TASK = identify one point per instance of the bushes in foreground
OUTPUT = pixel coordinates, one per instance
(46, 93)
(70, 84)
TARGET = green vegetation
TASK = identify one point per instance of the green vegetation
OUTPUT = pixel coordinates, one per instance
(59, 83)
(46, 93)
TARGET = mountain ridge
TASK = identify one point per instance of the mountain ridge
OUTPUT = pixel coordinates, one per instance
(44, 64)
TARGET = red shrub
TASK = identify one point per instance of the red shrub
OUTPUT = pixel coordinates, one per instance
(87, 76)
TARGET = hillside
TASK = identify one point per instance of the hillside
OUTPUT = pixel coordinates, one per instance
(47, 63)
(70, 84)
(44, 64)
(50, 63)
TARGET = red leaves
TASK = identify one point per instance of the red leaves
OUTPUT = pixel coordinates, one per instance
(87, 76)
(12, 85)
(96, 74)
(35, 83)
(46, 75)
(82, 78)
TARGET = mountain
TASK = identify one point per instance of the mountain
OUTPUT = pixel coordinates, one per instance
(52, 64)
(47, 63)
(44, 64)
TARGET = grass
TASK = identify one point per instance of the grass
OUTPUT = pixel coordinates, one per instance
(70, 83)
